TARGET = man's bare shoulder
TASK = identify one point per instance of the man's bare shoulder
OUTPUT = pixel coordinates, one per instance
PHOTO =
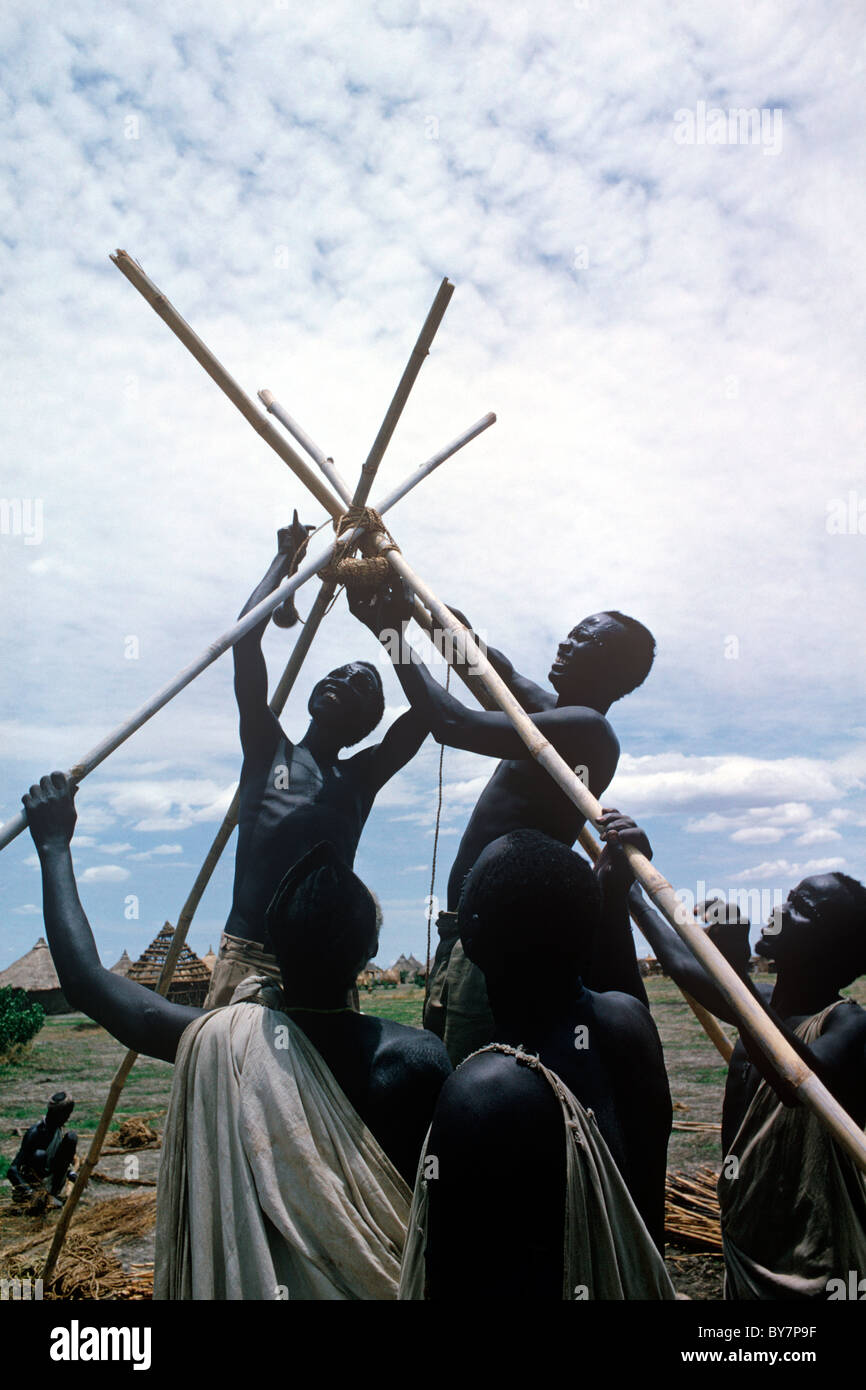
(414, 1051)
(495, 1088)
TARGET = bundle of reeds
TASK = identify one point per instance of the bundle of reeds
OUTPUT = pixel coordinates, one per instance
(692, 1210)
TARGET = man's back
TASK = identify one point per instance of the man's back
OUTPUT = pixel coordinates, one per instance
(390, 1073)
(497, 1206)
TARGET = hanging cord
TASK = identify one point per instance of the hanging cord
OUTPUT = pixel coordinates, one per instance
(433, 868)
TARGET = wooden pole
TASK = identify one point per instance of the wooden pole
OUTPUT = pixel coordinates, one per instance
(325, 462)
(392, 415)
(224, 380)
(14, 826)
(587, 840)
(747, 1009)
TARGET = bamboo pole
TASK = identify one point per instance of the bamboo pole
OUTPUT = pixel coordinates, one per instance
(392, 415)
(224, 380)
(586, 839)
(101, 751)
(401, 395)
(749, 1012)
(325, 462)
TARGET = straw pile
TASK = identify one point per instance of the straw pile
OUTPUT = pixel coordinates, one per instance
(692, 1211)
(85, 1268)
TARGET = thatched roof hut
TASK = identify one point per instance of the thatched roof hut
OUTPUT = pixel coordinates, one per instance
(122, 966)
(191, 978)
(35, 974)
(407, 967)
(209, 959)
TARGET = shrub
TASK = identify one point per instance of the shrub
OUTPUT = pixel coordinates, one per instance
(20, 1021)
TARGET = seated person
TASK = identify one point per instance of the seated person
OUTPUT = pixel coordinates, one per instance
(544, 1171)
(295, 1123)
(46, 1154)
(793, 1204)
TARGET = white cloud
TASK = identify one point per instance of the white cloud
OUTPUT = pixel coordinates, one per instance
(784, 869)
(104, 873)
(821, 834)
(28, 910)
(758, 835)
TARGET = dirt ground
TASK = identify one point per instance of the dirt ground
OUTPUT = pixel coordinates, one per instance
(73, 1054)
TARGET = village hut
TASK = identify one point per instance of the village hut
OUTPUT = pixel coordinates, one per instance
(35, 974)
(371, 976)
(122, 966)
(191, 976)
(210, 959)
(403, 969)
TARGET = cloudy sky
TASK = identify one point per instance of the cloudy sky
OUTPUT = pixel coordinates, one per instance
(664, 305)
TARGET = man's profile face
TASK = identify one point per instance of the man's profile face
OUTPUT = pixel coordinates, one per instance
(591, 644)
(347, 698)
(804, 923)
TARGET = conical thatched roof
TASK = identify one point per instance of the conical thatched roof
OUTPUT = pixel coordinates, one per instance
(122, 966)
(34, 972)
(408, 964)
(191, 976)
(209, 959)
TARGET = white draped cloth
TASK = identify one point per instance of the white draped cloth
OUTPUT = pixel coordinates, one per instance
(270, 1184)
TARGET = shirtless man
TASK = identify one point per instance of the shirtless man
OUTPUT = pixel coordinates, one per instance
(533, 919)
(323, 926)
(292, 796)
(602, 659)
(793, 1204)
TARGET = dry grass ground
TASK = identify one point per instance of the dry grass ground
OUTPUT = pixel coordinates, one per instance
(72, 1054)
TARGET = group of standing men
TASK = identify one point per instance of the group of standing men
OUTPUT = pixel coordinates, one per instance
(312, 1151)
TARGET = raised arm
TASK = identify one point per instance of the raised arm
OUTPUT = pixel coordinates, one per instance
(578, 734)
(137, 1017)
(259, 726)
(532, 697)
(399, 746)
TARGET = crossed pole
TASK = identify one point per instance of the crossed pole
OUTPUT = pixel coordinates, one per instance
(587, 840)
(336, 507)
(465, 652)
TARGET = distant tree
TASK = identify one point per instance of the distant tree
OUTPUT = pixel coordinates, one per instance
(20, 1021)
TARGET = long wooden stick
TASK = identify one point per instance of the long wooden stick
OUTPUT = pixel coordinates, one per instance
(101, 751)
(224, 380)
(748, 1011)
